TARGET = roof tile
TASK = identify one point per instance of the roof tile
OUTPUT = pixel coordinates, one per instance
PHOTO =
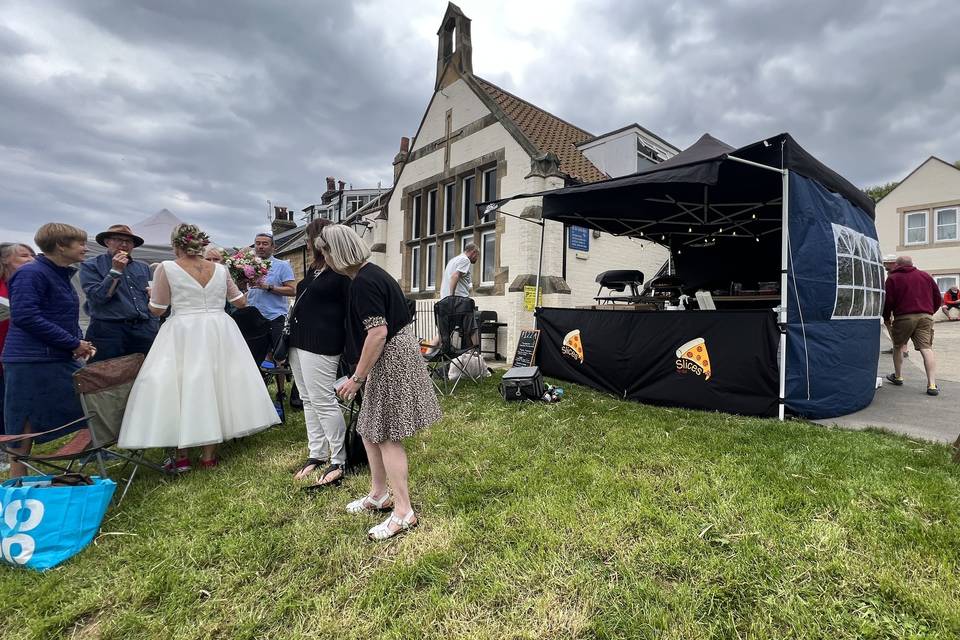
(547, 132)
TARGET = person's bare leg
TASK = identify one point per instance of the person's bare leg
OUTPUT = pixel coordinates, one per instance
(208, 452)
(17, 468)
(897, 361)
(395, 461)
(378, 474)
(930, 366)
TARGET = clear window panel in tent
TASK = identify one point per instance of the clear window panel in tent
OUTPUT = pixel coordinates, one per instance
(844, 302)
(857, 308)
(845, 244)
(858, 273)
(844, 270)
(869, 300)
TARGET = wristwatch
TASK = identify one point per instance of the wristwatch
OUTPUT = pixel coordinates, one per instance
(358, 379)
(269, 288)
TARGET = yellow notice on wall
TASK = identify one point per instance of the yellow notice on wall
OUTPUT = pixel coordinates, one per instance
(529, 298)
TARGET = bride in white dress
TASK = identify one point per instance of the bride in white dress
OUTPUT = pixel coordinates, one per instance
(199, 384)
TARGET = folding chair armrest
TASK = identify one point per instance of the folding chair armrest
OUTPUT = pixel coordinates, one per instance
(27, 436)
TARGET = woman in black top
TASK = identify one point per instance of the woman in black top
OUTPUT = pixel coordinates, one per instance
(316, 342)
(398, 398)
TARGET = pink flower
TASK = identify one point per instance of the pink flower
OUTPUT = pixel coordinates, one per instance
(248, 271)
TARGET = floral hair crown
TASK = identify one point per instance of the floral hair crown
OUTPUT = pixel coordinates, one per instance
(190, 239)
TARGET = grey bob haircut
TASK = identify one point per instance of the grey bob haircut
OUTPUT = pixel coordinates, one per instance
(343, 248)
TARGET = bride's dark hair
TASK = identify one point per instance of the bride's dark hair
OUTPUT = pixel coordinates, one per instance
(313, 231)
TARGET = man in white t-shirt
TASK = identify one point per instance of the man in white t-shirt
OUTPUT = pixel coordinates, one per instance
(456, 282)
(457, 274)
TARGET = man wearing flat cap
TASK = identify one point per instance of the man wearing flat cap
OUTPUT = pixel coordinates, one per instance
(116, 288)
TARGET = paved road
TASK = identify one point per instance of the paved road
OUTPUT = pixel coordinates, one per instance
(908, 409)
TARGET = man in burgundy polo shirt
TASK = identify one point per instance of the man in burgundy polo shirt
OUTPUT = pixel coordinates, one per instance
(912, 297)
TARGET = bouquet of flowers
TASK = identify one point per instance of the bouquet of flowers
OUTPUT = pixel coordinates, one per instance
(246, 267)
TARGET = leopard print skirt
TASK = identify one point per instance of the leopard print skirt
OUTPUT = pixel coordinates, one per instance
(398, 398)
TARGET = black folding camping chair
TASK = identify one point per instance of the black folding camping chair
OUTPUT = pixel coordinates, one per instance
(103, 388)
(456, 320)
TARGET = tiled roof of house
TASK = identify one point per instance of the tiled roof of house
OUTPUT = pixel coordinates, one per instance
(547, 132)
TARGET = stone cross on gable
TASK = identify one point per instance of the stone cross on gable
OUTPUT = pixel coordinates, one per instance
(447, 138)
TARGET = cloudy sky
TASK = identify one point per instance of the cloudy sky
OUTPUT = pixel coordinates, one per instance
(112, 110)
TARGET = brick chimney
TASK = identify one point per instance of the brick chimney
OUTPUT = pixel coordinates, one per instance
(401, 158)
(282, 220)
(331, 190)
(340, 184)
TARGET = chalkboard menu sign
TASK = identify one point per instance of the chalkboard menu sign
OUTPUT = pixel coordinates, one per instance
(526, 352)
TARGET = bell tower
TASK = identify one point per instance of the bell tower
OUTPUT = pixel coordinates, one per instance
(453, 47)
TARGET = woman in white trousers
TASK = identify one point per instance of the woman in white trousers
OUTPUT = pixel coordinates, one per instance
(317, 336)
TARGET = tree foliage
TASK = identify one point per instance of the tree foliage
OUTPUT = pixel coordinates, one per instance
(880, 191)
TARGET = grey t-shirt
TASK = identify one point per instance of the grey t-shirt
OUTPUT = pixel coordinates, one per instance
(462, 264)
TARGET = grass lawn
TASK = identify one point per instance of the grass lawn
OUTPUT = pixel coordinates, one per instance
(594, 518)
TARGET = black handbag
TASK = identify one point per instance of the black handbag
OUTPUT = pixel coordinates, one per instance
(281, 348)
(522, 383)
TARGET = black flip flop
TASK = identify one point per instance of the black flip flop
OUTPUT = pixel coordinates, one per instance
(333, 483)
(314, 462)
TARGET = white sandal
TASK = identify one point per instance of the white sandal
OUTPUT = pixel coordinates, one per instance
(368, 503)
(383, 531)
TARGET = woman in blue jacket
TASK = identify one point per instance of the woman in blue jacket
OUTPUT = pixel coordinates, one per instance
(44, 346)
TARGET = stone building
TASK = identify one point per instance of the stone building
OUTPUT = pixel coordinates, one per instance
(478, 142)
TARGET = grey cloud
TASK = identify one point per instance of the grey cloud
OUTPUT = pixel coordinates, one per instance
(234, 103)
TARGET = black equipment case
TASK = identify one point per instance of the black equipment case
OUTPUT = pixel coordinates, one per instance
(522, 383)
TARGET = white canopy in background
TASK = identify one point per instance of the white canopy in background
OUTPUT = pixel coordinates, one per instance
(155, 232)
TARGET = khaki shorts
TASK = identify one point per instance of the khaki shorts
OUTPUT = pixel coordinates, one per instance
(913, 326)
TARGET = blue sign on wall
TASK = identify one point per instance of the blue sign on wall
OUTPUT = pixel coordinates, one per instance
(578, 238)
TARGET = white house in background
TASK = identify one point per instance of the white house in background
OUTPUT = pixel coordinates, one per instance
(339, 203)
(477, 142)
(920, 218)
(627, 150)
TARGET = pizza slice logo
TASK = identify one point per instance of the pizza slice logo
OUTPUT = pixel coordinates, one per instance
(692, 356)
(573, 346)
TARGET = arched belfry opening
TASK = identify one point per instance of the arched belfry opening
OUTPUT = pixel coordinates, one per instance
(454, 46)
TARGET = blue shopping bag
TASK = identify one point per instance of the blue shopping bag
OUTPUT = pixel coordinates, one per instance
(43, 525)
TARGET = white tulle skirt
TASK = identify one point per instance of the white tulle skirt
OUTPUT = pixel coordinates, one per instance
(198, 385)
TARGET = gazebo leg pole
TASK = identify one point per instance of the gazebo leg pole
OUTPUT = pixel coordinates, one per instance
(536, 295)
(784, 249)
